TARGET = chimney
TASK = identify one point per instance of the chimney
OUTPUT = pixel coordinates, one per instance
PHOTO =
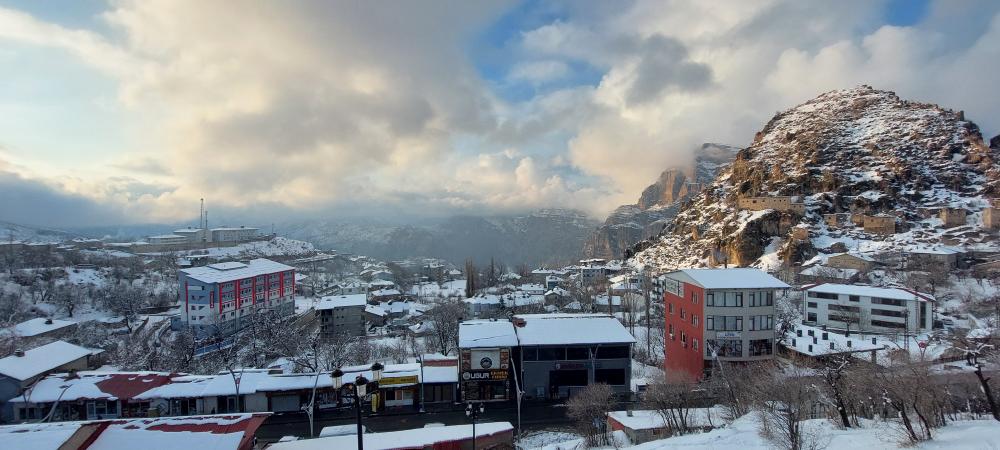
(19, 353)
(48, 321)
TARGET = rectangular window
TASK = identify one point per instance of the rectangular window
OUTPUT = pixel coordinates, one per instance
(551, 354)
(694, 344)
(670, 308)
(825, 295)
(812, 305)
(709, 299)
(811, 317)
(888, 313)
(753, 298)
(694, 319)
(710, 323)
(613, 377)
(577, 353)
(886, 324)
(530, 354)
(761, 347)
(726, 348)
(888, 301)
(613, 352)
(854, 298)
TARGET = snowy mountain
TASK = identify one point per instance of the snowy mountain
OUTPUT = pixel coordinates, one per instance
(29, 233)
(859, 153)
(547, 236)
(657, 204)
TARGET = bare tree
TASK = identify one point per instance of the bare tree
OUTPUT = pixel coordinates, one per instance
(785, 400)
(470, 278)
(589, 408)
(976, 351)
(445, 317)
(67, 298)
(672, 397)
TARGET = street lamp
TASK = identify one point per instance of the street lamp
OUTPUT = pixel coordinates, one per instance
(474, 410)
(359, 391)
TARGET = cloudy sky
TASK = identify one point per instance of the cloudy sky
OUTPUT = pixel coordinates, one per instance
(130, 111)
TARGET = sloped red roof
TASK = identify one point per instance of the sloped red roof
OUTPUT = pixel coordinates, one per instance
(124, 386)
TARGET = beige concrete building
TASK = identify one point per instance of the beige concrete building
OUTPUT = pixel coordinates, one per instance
(850, 261)
(880, 224)
(991, 215)
(952, 217)
(777, 203)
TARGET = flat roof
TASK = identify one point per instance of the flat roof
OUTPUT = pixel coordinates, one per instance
(229, 271)
(569, 329)
(870, 291)
(735, 278)
(342, 301)
(415, 438)
(486, 333)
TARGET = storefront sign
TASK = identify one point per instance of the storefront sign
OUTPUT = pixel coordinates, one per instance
(485, 359)
(727, 334)
(484, 375)
(398, 381)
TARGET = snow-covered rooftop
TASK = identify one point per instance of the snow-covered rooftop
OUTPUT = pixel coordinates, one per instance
(415, 438)
(834, 342)
(567, 329)
(230, 431)
(230, 271)
(93, 385)
(486, 333)
(38, 325)
(735, 278)
(870, 291)
(41, 359)
(341, 301)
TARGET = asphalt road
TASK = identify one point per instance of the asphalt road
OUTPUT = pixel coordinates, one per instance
(533, 417)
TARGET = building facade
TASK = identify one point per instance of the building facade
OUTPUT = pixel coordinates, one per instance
(866, 308)
(342, 314)
(233, 234)
(485, 348)
(718, 314)
(778, 203)
(219, 298)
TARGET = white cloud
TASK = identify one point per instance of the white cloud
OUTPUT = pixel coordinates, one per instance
(319, 105)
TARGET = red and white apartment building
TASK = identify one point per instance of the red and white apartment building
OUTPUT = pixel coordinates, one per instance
(717, 315)
(217, 298)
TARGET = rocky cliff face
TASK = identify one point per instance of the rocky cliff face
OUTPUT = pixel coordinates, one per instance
(858, 151)
(657, 204)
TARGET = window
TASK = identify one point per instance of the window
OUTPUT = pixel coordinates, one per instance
(811, 317)
(568, 377)
(812, 305)
(724, 323)
(761, 323)
(613, 377)
(709, 299)
(682, 314)
(822, 295)
(694, 298)
(888, 301)
(731, 299)
(726, 348)
(694, 344)
(670, 308)
(577, 353)
(888, 313)
(551, 354)
(613, 352)
(845, 308)
(885, 324)
(694, 319)
(854, 298)
(761, 347)
(530, 354)
(762, 299)
(684, 337)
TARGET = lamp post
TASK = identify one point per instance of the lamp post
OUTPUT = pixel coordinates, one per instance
(359, 391)
(474, 410)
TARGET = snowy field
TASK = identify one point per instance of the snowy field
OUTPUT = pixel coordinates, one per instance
(743, 434)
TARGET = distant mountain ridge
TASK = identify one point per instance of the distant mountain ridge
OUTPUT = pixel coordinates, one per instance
(657, 204)
(543, 237)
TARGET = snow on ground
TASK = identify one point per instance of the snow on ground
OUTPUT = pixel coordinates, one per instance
(743, 434)
(538, 439)
(279, 246)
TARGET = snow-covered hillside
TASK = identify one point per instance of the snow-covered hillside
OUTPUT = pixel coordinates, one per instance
(860, 151)
(279, 246)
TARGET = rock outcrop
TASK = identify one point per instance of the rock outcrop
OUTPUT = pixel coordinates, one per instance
(657, 204)
(860, 152)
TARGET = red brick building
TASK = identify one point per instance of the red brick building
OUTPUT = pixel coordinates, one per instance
(724, 314)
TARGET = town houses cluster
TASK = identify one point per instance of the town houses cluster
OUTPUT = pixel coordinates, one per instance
(447, 337)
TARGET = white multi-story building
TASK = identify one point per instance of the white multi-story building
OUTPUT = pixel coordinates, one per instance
(867, 308)
(218, 298)
(233, 234)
